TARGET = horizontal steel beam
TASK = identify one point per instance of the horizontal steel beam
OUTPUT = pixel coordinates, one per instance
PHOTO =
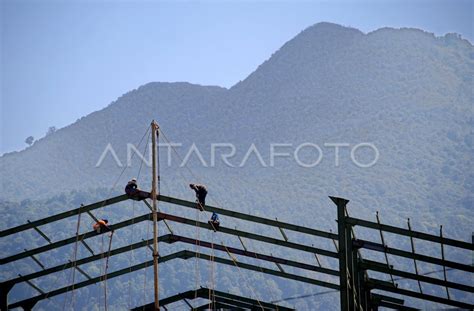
(389, 302)
(268, 271)
(376, 284)
(43, 221)
(82, 261)
(257, 219)
(381, 267)
(277, 260)
(410, 233)
(71, 240)
(204, 293)
(247, 300)
(233, 304)
(30, 302)
(218, 306)
(252, 236)
(394, 306)
(169, 238)
(397, 252)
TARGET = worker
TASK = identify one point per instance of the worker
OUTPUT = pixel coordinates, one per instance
(201, 192)
(131, 189)
(214, 221)
(101, 226)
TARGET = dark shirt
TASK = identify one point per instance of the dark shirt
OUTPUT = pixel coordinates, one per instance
(200, 189)
(131, 187)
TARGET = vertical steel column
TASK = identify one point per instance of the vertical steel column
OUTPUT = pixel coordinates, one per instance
(350, 268)
(154, 193)
(342, 239)
(362, 289)
(4, 290)
(356, 281)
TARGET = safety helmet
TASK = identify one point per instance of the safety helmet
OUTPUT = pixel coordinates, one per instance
(134, 179)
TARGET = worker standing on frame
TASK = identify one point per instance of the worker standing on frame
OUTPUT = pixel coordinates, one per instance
(201, 192)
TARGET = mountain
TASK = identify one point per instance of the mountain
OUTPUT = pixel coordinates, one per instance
(405, 92)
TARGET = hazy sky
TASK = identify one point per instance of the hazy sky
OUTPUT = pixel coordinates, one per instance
(61, 60)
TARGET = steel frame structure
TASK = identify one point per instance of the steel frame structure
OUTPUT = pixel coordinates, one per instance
(355, 285)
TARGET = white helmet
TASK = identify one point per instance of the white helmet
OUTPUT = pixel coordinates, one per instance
(134, 179)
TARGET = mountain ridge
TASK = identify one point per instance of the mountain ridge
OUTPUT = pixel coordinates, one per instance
(318, 87)
(406, 92)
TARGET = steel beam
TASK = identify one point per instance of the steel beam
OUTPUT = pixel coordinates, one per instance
(257, 219)
(218, 306)
(267, 271)
(394, 306)
(33, 300)
(397, 252)
(82, 209)
(204, 293)
(252, 236)
(343, 264)
(82, 261)
(381, 267)
(30, 302)
(276, 260)
(376, 284)
(71, 240)
(414, 234)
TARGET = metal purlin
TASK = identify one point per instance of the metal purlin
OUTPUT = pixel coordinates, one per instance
(414, 260)
(442, 257)
(384, 244)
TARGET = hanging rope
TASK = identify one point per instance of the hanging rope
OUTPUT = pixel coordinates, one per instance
(212, 287)
(197, 244)
(106, 268)
(146, 264)
(131, 257)
(74, 258)
(234, 260)
(100, 212)
(78, 240)
(196, 262)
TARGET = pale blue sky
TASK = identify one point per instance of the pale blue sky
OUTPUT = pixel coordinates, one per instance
(61, 60)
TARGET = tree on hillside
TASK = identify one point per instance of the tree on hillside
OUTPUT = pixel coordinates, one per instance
(29, 140)
(51, 130)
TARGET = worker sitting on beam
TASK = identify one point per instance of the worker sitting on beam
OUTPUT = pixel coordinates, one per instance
(101, 226)
(214, 221)
(131, 189)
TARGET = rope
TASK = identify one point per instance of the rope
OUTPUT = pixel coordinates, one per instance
(234, 260)
(106, 268)
(204, 209)
(198, 247)
(198, 234)
(146, 264)
(74, 257)
(99, 212)
(101, 268)
(81, 239)
(211, 290)
(131, 257)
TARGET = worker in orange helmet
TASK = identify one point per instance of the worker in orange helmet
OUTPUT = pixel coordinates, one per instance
(102, 226)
